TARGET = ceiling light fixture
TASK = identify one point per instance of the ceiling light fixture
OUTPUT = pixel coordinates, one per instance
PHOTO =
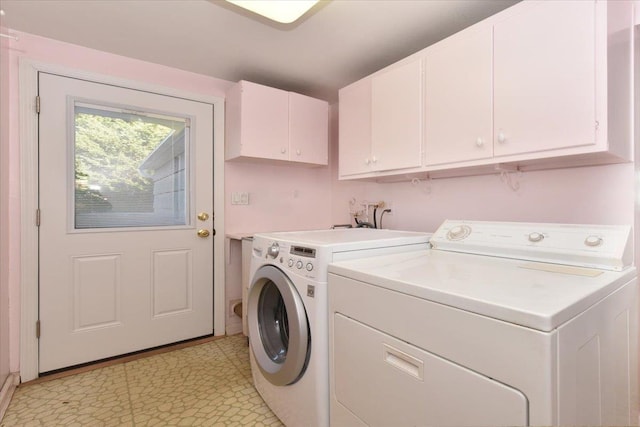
(283, 11)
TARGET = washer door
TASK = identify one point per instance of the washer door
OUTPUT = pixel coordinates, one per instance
(278, 326)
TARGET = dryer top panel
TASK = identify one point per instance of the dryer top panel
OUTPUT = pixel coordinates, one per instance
(537, 295)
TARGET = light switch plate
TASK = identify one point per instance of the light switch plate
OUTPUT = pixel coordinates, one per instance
(240, 198)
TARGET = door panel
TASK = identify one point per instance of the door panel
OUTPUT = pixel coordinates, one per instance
(123, 174)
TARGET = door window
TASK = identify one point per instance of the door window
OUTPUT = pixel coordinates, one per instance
(131, 168)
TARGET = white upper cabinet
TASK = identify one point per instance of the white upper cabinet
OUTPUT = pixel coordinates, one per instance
(544, 77)
(542, 84)
(308, 129)
(354, 153)
(396, 112)
(458, 98)
(264, 123)
(380, 128)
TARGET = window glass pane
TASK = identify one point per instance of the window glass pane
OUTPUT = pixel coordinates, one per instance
(130, 168)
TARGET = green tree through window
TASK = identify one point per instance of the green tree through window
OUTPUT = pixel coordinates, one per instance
(108, 153)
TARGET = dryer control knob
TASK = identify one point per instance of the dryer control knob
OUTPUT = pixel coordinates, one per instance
(290, 262)
(536, 237)
(299, 265)
(309, 266)
(593, 241)
(459, 232)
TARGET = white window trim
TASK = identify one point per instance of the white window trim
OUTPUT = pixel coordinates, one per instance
(29, 199)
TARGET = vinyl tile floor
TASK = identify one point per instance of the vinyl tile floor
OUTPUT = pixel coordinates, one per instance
(203, 385)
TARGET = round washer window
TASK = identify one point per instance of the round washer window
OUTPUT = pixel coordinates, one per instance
(273, 323)
(278, 326)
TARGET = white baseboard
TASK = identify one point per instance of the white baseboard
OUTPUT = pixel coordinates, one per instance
(233, 328)
(7, 390)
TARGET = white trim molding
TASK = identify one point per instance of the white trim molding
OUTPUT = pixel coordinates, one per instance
(29, 198)
(6, 392)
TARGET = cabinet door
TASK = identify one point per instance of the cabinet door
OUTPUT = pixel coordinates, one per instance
(458, 98)
(264, 122)
(544, 85)
(355, 128)
(396, 117)
(308, 129)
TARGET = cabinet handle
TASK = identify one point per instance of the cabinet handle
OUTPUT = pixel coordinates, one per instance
(479, 142)
(367, 161)
(374, 159)
(502, 138)
(298, 152)
(283, 150)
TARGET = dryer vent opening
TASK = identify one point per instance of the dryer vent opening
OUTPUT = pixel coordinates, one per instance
(237, 309)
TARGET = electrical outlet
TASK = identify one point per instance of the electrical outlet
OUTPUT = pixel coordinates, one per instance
(239, 198)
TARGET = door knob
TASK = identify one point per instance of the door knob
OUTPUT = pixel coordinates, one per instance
(203, 216)
(203, 233)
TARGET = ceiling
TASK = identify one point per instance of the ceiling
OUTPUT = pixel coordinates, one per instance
(337, 43)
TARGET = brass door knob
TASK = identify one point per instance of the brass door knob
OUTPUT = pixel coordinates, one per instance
(203, 233)
(203, 216)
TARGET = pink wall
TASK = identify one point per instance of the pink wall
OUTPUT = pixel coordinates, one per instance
(281, 197)
(589, 195)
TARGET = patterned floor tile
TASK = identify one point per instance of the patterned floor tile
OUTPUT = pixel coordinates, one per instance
(204, 385)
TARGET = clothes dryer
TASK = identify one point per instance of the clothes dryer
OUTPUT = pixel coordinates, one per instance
(287, 313)
(497, 324)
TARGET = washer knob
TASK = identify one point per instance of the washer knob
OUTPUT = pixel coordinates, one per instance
(536, 237)
(290, 262)
(309, 266)
(593, 241)
(299, 265)
(273, 250)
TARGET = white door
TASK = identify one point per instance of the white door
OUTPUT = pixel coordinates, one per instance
(126, 199)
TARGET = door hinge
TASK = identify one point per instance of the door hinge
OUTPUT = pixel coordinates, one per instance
(38, 329)
(37, 217)
(38, 104)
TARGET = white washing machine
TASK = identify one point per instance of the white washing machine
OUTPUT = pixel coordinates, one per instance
(498, 324)
(287, 313)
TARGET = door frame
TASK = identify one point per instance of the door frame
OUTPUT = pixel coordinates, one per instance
(29, 251)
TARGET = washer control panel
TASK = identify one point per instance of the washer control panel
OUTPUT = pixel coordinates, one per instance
(301, 260)
(595, 246)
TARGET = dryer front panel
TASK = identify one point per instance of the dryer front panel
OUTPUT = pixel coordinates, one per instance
(385, 381)
(278, 326)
